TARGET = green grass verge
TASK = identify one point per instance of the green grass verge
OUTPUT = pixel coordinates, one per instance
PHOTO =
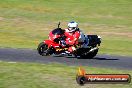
(32, 75)
(25, 23)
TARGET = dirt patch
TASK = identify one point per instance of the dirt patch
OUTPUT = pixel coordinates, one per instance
(118, 34)
(126, 34)
(1, 18)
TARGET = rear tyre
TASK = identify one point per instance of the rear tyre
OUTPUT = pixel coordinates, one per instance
(82, 53)
(90, 55)
(43, 49)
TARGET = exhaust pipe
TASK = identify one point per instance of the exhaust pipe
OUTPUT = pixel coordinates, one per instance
(91, 50)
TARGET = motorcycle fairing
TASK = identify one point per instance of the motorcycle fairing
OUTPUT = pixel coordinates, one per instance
(51, 43)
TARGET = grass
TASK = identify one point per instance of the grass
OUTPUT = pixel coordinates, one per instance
(27, 75)
(23, 24)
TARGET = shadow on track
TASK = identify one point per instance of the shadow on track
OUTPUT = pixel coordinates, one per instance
(95, 58)
(99, 58)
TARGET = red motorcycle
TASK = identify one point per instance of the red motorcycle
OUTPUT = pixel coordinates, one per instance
(53, 45)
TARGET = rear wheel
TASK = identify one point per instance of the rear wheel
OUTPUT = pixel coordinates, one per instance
(90, 55)
(43, 49)
(82, 53)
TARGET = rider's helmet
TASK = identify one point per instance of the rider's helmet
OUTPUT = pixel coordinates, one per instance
(72, 26)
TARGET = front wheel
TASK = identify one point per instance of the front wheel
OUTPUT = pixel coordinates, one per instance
(42, 49)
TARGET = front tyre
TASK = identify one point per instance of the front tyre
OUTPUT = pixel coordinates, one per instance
(42, 49)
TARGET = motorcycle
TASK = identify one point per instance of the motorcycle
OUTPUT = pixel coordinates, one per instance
(53, 45)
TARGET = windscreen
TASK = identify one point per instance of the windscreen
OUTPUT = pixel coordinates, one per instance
(58, 31)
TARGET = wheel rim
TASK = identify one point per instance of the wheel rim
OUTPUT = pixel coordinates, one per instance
(43, 49)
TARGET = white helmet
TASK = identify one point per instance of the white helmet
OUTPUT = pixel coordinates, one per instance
(72, 26)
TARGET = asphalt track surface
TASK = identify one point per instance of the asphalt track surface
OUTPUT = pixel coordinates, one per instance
(28, 55)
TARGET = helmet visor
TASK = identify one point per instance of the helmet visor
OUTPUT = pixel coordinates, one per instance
(72, 29)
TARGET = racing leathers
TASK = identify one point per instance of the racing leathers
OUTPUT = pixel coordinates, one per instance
(73, 38)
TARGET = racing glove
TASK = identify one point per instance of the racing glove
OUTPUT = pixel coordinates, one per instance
(63, 43)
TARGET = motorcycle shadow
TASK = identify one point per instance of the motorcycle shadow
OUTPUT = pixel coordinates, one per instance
(100, 58)
(64, 56)
(95, 58)
(58, 56)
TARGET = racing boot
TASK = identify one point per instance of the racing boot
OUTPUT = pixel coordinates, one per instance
(71, 50)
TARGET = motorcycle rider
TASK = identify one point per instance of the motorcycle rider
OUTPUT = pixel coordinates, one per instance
(74, 36)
